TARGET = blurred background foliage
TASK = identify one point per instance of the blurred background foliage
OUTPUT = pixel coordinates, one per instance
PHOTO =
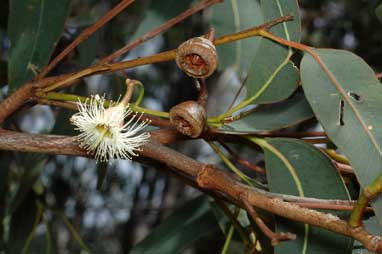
(135, 198)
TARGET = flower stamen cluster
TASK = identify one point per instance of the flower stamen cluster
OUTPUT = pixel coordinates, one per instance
(103, 132)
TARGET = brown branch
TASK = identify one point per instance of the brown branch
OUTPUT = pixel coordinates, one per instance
(84, 35)
(207, 177)
(23, 95)
(160, 29)
(203, 92)
(212, 178)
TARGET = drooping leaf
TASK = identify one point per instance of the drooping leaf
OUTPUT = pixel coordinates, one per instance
(23, 224)
(32, 165)
(346, 97)
(272, 77)
(297, 168)
(378, 11)
(180, 229)
(102, 169)
(34, 27)
(231, 17)
(272, 117)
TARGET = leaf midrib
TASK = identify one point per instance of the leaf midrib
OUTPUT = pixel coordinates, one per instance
(39, 24)
(347, 99)
(279, 68)
(297, 181)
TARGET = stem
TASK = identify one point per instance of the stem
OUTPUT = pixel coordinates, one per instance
(229, 164)
(102, 134)
(228, 240)
(73, 231)
(85, 35)
(233, 218)
(273, 236)
(141, 90)
(335, 156)
(130, 90)
(157, 58)
(366, 195)
(317, 140)
(243, 162)
(251, 32)
(160, 29)
(75, 98)
(39, 213)
(203, 92)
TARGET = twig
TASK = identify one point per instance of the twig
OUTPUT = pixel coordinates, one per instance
(203, 92)
(367, 194)
(84, 35)
(242, 162)
(343, 168)
(274, 237)
(233, 219)
(335, 156)
(317, 140)
(334, 207)
(160, 29)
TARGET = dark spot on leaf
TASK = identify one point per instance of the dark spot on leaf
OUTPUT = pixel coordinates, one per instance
(355, 96)
(341, 113)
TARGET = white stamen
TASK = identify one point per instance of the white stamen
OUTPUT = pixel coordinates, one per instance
(104, 133)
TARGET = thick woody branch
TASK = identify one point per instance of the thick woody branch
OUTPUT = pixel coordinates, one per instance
(207, 177)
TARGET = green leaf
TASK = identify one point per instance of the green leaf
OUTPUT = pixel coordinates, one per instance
(378, 12)
(32, 165)
(267, 83)
(272, 77)
(23, 224)
(272, 117)
(102, 170)
(87, 50)
(34, 27)
(346, 97)
(232, 16)
(297, 168)
(75, 234)
(180, 229)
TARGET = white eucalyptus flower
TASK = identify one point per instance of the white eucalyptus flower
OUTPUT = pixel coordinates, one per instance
(104, 133)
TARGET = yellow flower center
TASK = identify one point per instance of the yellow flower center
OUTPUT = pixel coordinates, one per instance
(103, 131)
